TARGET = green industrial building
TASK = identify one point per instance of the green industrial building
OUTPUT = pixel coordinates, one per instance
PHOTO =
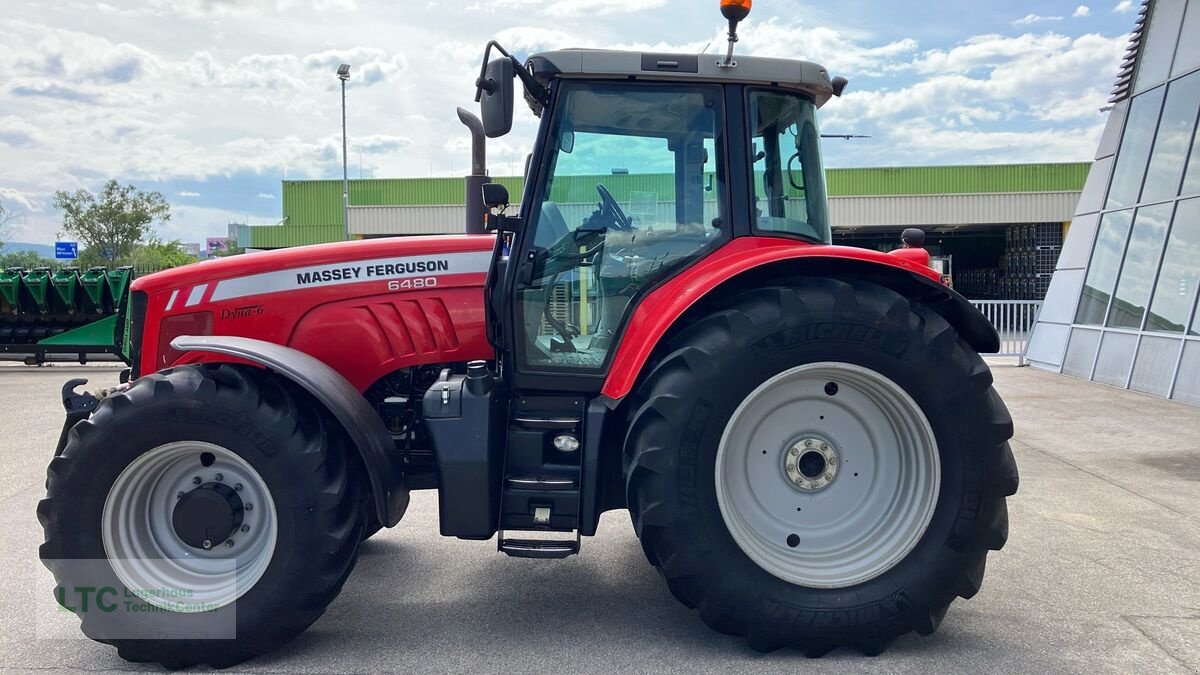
(997, 227)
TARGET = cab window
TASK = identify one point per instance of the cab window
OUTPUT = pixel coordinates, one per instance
(789, 182)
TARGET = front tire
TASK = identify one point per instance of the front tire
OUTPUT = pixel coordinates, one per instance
(269, 533)
(819, 464)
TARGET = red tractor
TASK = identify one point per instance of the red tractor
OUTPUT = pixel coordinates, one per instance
(805, 436)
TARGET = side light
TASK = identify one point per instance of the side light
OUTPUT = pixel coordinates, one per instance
(195, 323)
(566, 443)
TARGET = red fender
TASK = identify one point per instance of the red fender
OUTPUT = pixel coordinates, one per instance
(658, 311)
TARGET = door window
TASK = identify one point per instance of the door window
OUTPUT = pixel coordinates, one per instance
(789, 183)
(633, 191)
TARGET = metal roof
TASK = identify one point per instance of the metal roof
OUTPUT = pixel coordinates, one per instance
(805, 76)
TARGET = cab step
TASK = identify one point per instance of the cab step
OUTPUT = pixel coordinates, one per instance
(540, 548)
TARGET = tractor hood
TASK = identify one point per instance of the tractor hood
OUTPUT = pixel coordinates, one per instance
(365, 308)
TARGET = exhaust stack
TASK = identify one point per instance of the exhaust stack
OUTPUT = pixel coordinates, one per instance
(476, 213)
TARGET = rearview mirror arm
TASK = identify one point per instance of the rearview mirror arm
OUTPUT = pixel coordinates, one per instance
(482, 84)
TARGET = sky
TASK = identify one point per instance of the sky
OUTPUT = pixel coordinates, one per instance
(214, 102)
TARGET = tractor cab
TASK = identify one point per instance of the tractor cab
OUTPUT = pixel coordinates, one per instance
(643, 164)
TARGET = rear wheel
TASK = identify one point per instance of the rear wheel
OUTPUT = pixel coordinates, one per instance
(216, 508)
(820, 464)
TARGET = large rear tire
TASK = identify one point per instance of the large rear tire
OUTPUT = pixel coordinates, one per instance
(819, 464)
(285, 529)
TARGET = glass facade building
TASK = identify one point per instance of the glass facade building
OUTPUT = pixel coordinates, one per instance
(1122, 305)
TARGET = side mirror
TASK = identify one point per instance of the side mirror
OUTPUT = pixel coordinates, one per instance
(913, 237)
(495, 196)
(496, 104)
(495, 199)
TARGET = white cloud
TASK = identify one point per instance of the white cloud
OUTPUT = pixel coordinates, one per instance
(839, 52)
(1124, 6)
(186, 193)
(572, 8)
(244, 90)
(1082, 11)
(204, 9)
(10, 196)
(934, 142)
(1030, 19)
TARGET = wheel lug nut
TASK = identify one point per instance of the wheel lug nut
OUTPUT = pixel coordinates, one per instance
(207, 544)
(220, 477)
(180, 495)
(795, 452)
(249, 507)
(808, 443)
(238, 487)
(245, 528)
(196, 480)
(229, 543)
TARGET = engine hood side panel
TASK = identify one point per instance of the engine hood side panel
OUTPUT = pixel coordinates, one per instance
(365, 308)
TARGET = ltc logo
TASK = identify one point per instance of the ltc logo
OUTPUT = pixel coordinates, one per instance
(103, 598)
(241, 312)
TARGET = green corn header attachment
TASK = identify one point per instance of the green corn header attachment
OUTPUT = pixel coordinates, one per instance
(68, 311)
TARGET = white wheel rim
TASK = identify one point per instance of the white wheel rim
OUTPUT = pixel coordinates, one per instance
(841, 526)
(150, 558)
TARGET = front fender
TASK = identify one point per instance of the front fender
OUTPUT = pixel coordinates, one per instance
(359, 420)
(759, 261)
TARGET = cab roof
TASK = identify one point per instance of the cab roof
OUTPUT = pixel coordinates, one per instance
(805, 76)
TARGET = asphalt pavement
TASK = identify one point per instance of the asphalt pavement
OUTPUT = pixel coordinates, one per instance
(1101, 573)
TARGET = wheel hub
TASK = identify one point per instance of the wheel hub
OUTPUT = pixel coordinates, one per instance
(811, 464)
(207, 515)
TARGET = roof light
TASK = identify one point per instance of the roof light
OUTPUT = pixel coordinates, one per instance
(735, 10)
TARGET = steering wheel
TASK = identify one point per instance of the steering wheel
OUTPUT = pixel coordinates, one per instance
(609, 204)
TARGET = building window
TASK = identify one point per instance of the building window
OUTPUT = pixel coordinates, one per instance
(1135, 149)
(1106, 263)
(1158, 48)
(1187, 56)
(1174, 138)
(1191, 181)
(1175, 293)
(1141, 262)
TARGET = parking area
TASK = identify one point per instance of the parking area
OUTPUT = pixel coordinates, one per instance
(1101, 572)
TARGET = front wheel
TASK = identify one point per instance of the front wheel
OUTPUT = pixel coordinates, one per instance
(820, 464)
(205, 515)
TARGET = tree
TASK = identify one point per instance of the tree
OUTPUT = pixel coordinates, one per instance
(23, 259)
(114, 222)
(160, 254)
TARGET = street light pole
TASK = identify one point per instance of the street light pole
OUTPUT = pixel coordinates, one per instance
(343, 74)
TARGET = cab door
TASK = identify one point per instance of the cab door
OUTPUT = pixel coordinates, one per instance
(631, 189)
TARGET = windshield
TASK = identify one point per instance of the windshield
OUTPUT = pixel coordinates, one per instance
(789, 183)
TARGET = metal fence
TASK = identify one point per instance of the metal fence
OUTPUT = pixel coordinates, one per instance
(1014, 321)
